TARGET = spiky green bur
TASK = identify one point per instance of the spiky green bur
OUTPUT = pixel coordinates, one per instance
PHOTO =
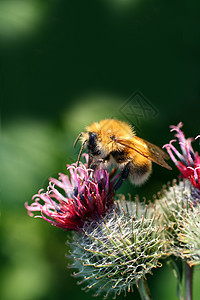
(172, 203)
(180, 211)
(114, 254)
(189, 236)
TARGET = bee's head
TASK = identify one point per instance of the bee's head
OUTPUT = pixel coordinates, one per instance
(93, 144)
(90, 140)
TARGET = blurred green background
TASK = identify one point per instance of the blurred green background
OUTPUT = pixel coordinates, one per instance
(64, 64)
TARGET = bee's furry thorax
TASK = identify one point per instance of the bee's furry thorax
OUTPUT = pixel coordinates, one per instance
(108, 131)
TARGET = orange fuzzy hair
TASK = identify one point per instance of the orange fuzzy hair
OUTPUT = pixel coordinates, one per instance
(106, 129)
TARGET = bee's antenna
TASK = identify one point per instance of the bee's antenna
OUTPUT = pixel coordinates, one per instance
(76, 140)
(81, 150)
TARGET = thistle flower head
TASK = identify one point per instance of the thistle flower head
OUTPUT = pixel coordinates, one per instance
(119, 250)
(69, 202)
(186, 160)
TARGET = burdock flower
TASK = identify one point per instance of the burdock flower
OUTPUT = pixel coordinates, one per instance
(114, 244)
(186, 160)
(69, 202)
(117, 252)
(180, 202)
(180, 196)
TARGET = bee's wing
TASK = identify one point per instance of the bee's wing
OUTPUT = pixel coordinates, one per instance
(146, 149)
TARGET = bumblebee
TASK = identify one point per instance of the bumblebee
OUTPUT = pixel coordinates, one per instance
(115, 142)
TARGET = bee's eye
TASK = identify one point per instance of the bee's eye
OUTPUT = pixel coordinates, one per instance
(93, 144)
(92, 137)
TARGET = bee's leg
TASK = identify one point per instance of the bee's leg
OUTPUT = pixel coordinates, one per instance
(123, 175)
(97, 162)
(90, 160)
(113, 172)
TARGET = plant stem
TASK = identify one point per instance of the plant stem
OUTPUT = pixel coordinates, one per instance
(188, 282)
(144, 289)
